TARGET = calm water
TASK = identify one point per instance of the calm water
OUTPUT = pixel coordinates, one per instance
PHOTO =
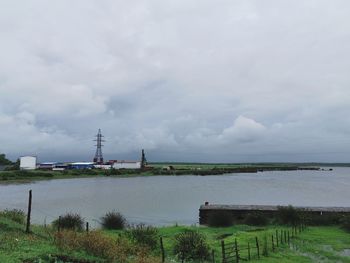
(163, 200)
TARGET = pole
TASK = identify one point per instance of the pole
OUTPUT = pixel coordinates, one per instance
(29, 211)
(223, 251)
(162, 248)
(237, 253)
(257, 246)
(248, 251)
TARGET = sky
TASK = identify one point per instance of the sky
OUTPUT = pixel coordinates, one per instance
(193, 81)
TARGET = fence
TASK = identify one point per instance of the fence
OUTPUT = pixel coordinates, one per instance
(254, 249)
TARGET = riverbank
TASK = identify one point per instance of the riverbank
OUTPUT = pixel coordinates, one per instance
(44, 244)
(156, 169)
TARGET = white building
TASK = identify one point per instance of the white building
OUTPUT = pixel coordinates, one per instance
(27, 163)
(102, 166)
(126, 165)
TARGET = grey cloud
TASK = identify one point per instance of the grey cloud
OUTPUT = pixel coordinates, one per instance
(215, 81)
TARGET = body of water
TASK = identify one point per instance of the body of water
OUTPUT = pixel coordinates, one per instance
(164, 200)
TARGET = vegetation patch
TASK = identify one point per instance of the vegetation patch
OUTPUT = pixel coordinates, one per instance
(191, 245)
(15, 215)
(146, 236)
(113, 220)
(288, 215)
(70, 221)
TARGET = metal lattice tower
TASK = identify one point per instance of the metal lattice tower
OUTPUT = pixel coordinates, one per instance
(98, 155)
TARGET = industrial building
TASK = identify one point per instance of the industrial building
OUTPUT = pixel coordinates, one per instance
(27, 163)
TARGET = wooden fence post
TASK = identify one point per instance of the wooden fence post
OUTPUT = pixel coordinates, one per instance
(87, 227)
(162, 249)
(59, 224)
(285, 236)
(265, 247)
(281, 237)
(248, 251)
(257, 246)
(276, 237)
(273, 244)
(29, 211)
(288, 238)
(237, 252)
(223, 251)
(212, 256)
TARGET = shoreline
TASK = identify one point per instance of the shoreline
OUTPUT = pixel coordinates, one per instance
(25, 177)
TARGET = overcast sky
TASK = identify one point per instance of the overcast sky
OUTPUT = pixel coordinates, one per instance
(187, 80)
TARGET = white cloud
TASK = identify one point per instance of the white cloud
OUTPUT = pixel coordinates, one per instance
(243, 130)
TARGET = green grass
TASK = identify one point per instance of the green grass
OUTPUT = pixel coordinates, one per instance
(17, 246)
(315, 244)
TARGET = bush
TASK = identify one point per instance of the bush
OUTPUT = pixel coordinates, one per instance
(146, 236)
(69, 221)
(113, 220)
(345, 223)
(15, 215)
(288, 215)
(94, 243)
(191, 245)
(220, 219)
(256, 219)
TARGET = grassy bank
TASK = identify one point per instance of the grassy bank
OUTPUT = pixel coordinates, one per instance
(315, 244)
(155, 169)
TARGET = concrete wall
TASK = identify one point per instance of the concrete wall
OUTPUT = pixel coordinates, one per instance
(240, 212)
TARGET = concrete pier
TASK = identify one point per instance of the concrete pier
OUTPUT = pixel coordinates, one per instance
(239, 212)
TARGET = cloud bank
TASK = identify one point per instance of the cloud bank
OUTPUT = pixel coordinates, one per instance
(217, 81)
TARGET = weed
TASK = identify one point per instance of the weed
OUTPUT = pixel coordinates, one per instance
(15, 215)
(144, 235)
(191, 245)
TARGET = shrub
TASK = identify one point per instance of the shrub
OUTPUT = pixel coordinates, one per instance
(220, 219)
(70, 221)
(288, 215)
(144, 235)
(256, 219)
(113, 220)
(67, 240)
(15, 215)
(144, 257)
(191, 245)
(94, 243)
(345, 223)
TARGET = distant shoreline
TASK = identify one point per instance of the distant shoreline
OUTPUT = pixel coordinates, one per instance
(157, 169)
